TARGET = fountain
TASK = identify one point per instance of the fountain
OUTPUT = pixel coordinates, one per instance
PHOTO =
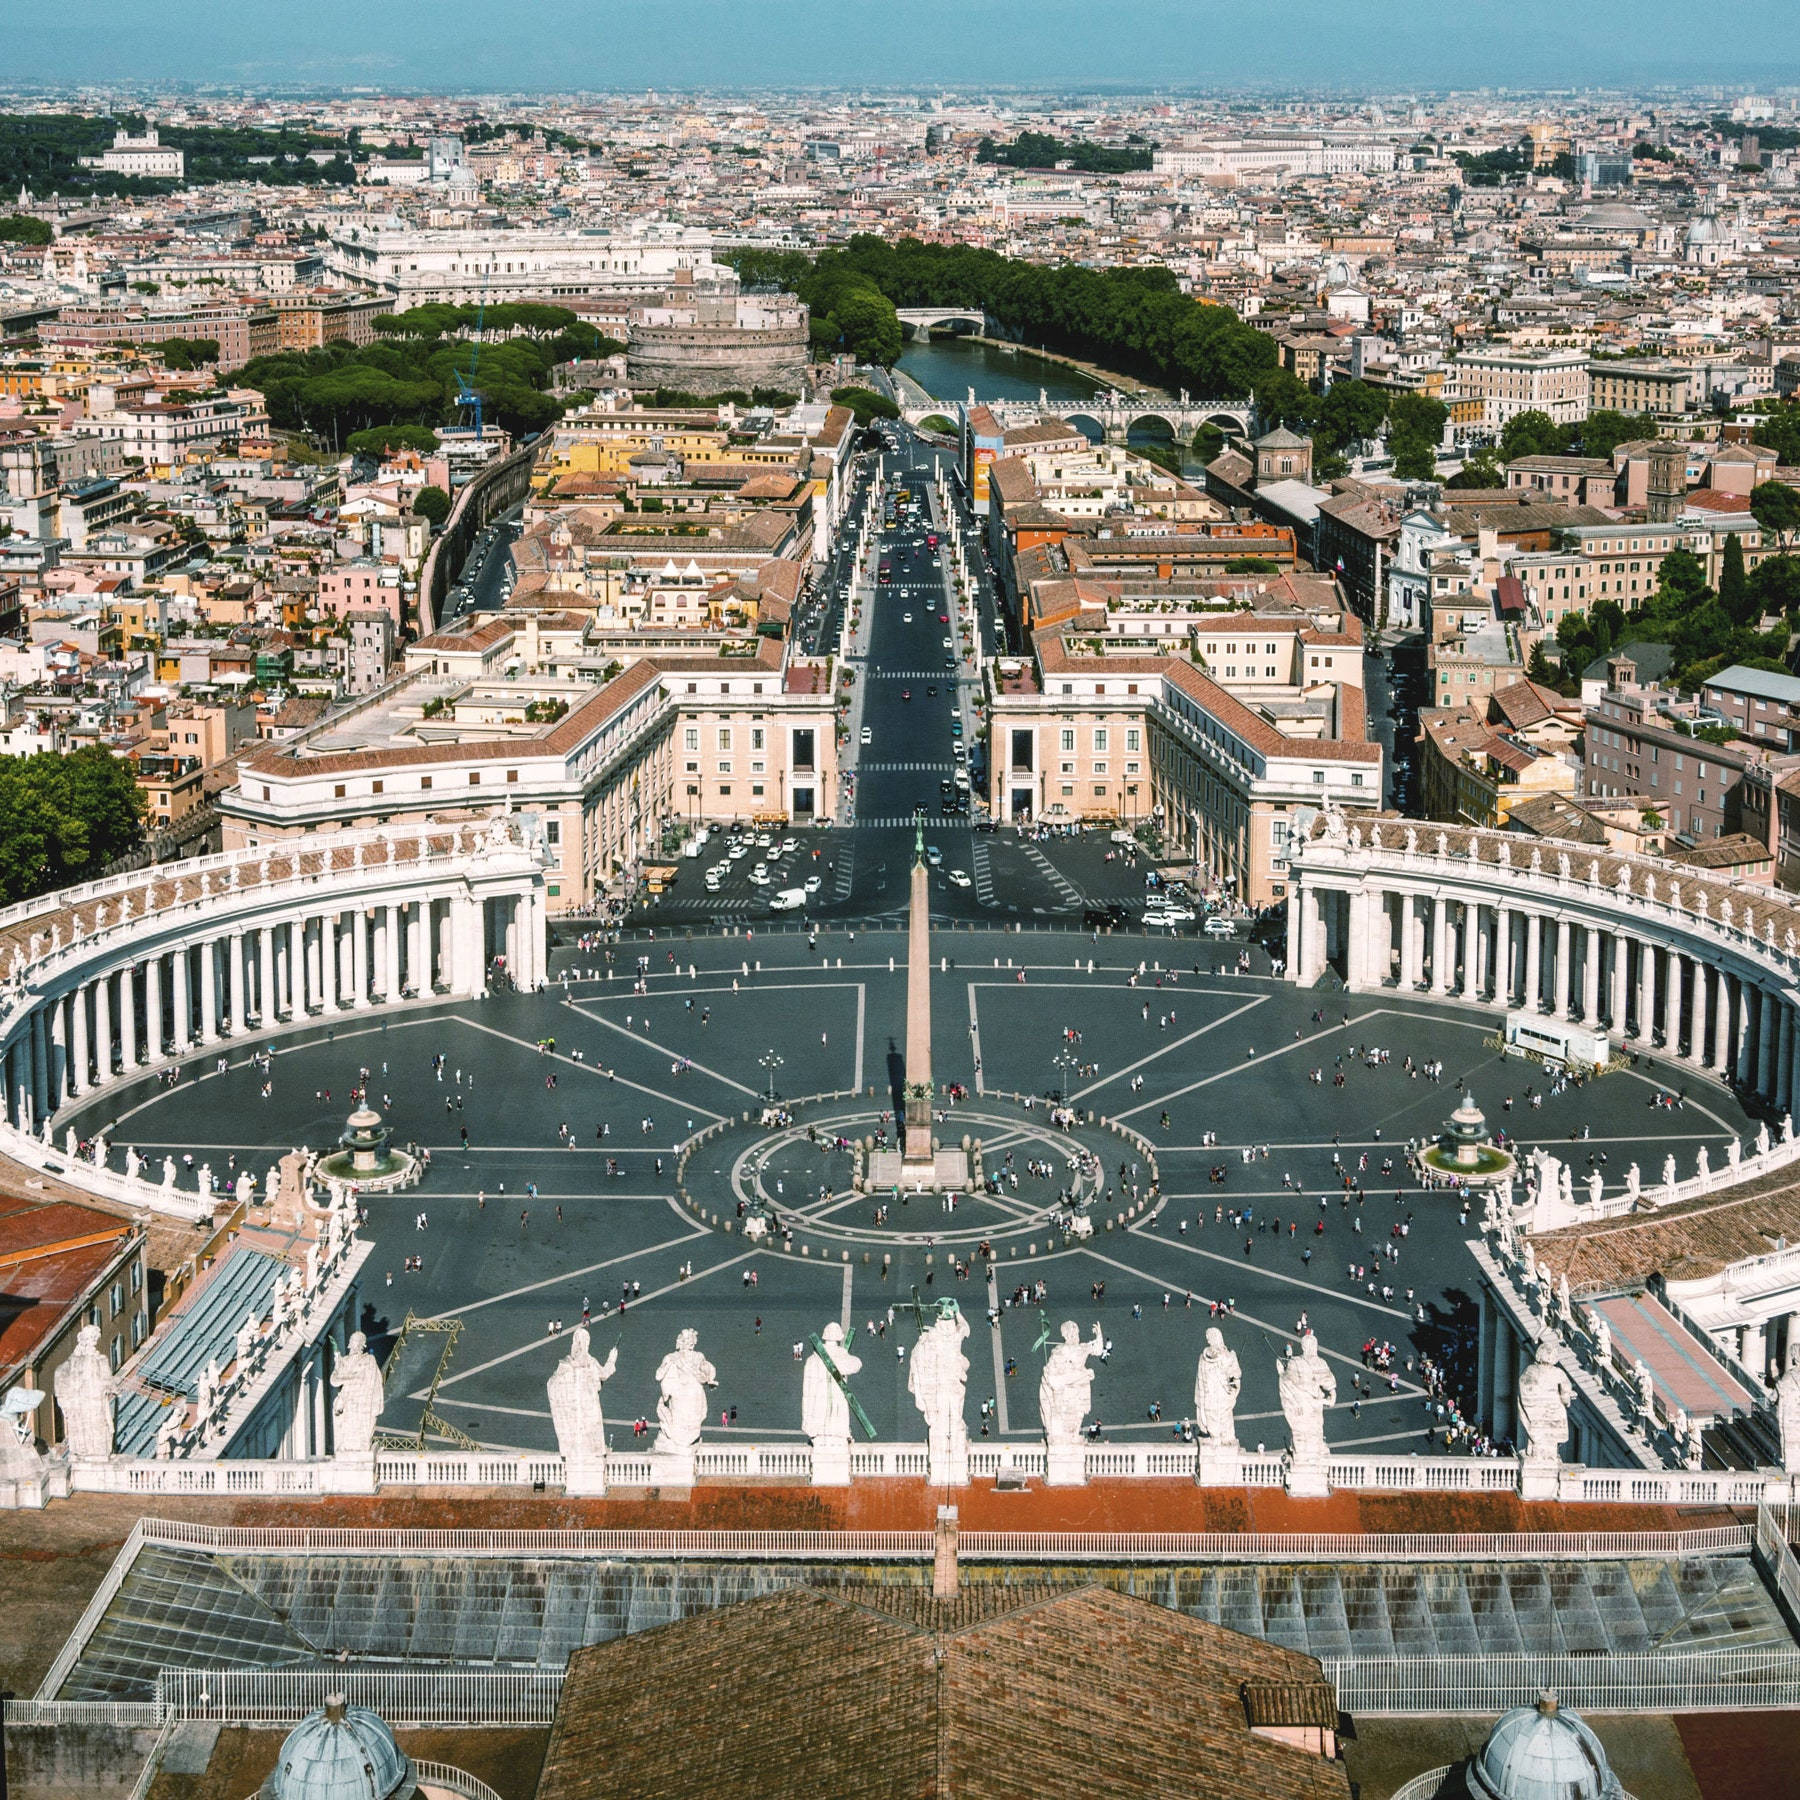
(365, 1159)
(1464, 1153)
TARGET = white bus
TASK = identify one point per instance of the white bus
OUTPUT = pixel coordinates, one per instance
(1555, 1040)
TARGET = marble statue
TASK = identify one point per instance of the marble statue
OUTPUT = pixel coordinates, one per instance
(1066, 1386)
(1374, 837)
(1787, 1415)
(1217, 1382)
(247, 1335)
(1565, 1184)
(1503, 856)
(1693, 1448)
(1562, 1296)
(937, 1380)
(1703, 1167)
(1602, 1342)
(206, 1395)
(683, 1376)
(1537, 861)
(1734, 1153)
(1725, 912)
(1787, 1129)
(133, 1162)
(1634, 1183)
(1529, 1260)
(84, 1391)
(205, 1181)
(824, 1406)
(246, 1187)
(1563, 865)
(1308, 1387)
(310, 1274)
(168, 1173)
(357, 1377)
(574, 1390)
(1443, 845)
(1596, 1185)
(19, 1459)
(71, 1143)
(1669, 1170)
(1545, 1392)
(168, 1434)
(1646, 1387)
(1412, 840)
(1549, 1180)
(100, 1149)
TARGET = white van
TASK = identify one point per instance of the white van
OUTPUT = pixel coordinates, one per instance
(1123, 839)
(788, 900)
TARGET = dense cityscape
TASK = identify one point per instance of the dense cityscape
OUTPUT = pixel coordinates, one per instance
(1094, 797)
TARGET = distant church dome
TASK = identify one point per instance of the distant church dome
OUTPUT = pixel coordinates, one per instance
(340, 1753)
(1542, 1752)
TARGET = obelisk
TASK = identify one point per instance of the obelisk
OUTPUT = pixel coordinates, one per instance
(916, 1152)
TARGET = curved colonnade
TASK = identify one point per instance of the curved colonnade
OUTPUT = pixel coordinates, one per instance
(1703, 973)
(118, 978)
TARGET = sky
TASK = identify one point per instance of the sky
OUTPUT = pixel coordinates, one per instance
(489, 46)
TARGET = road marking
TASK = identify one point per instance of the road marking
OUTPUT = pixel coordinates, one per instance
(844, 1308)
(661, 1049)
(1311, 1287)
(1143, 1061)
(1057, 879)
(599, 1074)
(537, 1287)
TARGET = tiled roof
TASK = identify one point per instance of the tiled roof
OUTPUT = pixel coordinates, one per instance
(880, 1690)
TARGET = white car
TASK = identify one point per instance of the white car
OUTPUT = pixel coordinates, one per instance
(906, 618)
(1181, 915)
(868, 735)
(814, 883)
(759, 876)
(760, 869)
(960, 878)
(739, 852)
(949, 642)
(789, 846)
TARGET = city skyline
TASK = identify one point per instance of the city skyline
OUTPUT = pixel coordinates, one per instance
(698, 43)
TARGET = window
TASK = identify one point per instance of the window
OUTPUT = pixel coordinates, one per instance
(424, 781)
(1068, 739)
(338, 791)
(1356, 779)
(1134, 738)
(137, 1277)
(474, 778)
(1099, 740)
(553, 831)
(375, 787)
(724, 737)
(724, 768)
(1318, 777)
(756, 737)
(512, 774)
(758, 766)
(690, 738)
(1099, 790)
(116, 1298)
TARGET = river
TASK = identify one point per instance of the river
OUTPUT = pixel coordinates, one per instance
(947, 367)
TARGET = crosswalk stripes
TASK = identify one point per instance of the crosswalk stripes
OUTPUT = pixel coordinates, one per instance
(1066, 888)
(904, 768)
(846, 870)
(983, 871)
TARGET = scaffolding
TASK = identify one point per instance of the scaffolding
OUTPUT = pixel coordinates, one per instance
(430, 1419)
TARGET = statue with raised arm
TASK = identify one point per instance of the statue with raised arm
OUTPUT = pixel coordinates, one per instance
(1787, 1415)
(1596, 1186)
(683, 1376)
(574, 1391)
(937, 1381)
(84, 1391)
(357, 1378)
(1307, 1386)
(824, 1406)
(1218, 1380)
(1545, 1392)
(1065, 1389)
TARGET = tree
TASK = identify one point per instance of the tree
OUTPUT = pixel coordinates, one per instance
(1734, 589)
(1537, 666)
(63, 819)
(1350, 411)
(1415, 458)
(1209, 443)
(381, 440)
(21, 228)
(1283, 399)
(865, 325)
(1775, 587)
(1479, 471)
(1680, 579)
(1532, 434)
(865, 403)
(432, 504)
(1601, 433)
(1776, 507)
(185, 354)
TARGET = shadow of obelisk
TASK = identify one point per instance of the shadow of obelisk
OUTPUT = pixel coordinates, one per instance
(918, 1157)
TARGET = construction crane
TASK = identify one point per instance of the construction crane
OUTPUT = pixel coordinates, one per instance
(468, 396)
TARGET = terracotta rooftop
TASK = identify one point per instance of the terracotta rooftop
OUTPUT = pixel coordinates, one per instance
(877, 1690)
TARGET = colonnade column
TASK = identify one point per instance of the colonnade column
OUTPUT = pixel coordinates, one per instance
(1646, 1010)
(1748, 1011)
(328, 961)
(235, 946)
(1675, 973)
(103, 1027)
(359, 957)
(128, 1019)
(78, 1042)
(1722, 1059)
(265, 981)
(1621, 959)
(184, 1004)
(153, 1009)
(1590, 974)
(1564, 949)
(209, 990)
(1534, 962)
(1503, 971)
(394, 923)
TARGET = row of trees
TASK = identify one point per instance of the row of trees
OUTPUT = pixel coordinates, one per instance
(63, 819)
(410, 376)
(21, 228)
(44, 151)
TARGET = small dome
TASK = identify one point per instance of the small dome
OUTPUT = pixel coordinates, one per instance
(1543, 1752)
(1704, 230)
(339, 1753)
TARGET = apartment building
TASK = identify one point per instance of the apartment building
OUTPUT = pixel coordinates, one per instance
(1076, 737)
(1508, 382)
(1640, 385)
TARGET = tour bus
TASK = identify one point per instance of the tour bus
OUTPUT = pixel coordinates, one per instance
(931, 540)
(1555, 1040)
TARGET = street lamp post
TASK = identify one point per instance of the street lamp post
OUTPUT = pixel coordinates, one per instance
(1066, 1062)
(771, 1060)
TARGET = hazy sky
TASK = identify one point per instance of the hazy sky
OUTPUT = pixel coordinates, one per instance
(491, 45)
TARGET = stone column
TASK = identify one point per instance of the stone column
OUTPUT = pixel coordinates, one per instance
(1409, 944)
(1746, 1035)
(1722, 1057)
(1443, 935)
(78, 1042)
(359, 957)
(1484, 1359)
(1503, 956)
(1506, 1368)
(128, 1019)
(153, 1009)
(390, 952)
(184, 1003)
(1564, 950)
(328, 961)
(265, 975)
(417, 973)
(1471, 950)
(1616, 993)
(298, 951)
(40, 1066)
(1484, 931)
(209, 990)
(1674, 974)
(1782, 1067)
(1646, 1010)
(103, 1027)
(1697, 1017)
(235, 947)
(1533, 1000)
(1590, 975)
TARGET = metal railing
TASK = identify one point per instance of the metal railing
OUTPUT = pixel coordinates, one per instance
(1776, 1555)
(110, 1583)
(458, 1781)
(401, 1696)
(1696, 1681)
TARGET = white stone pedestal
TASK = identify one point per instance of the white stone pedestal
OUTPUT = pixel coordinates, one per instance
(1218, 1465)
(584, 1477)
(1308, 1480)
(672, 1468)
(1539, 1480)
(1065, 1465)
(353, 1472)
(951, 1470)
(831, 1462)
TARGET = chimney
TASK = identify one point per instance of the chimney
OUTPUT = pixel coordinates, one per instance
(943, 1565)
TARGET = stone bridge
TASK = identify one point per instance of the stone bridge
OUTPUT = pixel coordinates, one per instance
(1113, 415)
(920, 321)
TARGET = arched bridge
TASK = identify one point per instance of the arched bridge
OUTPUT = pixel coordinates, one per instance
(921, 320)
(1113, 416)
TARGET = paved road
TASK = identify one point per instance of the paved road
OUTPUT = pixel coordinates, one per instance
(486, 577)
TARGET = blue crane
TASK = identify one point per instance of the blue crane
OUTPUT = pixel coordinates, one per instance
(468, 396)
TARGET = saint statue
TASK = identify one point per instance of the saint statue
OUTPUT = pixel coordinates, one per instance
(824, 1406)
(84, 1391)
(357, 1378)
(1787, 1415)
(1308, 1387)
(574, 1390)
(683, 1375)
(936, 1381)
(1065, 1388)
(1217, 1382)
(1544, 1396)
